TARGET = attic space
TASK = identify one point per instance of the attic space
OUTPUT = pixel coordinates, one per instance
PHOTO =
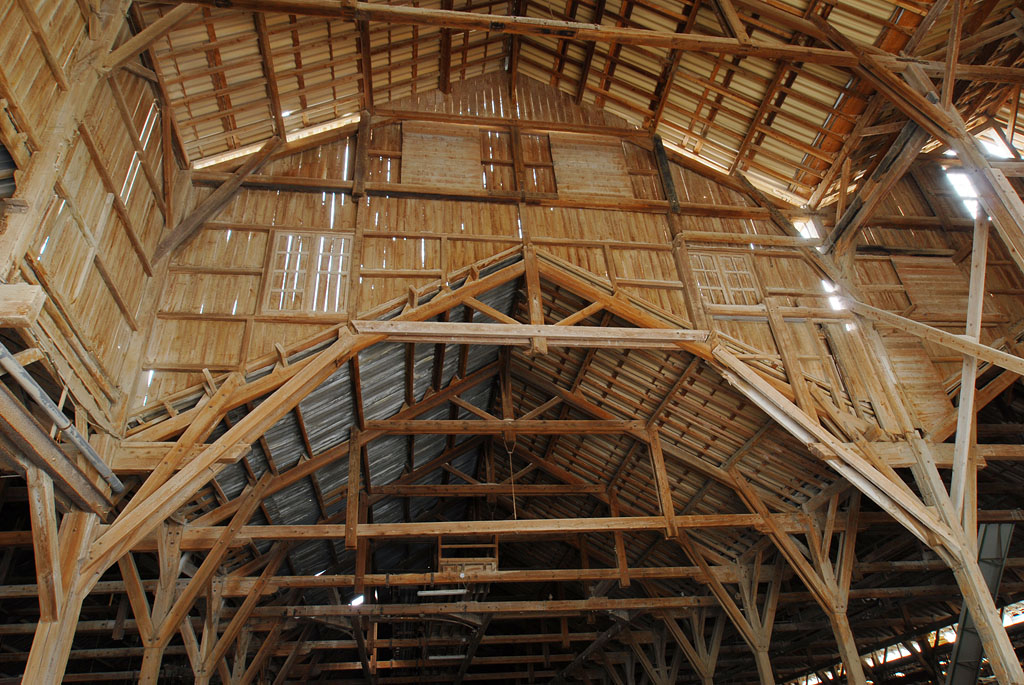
(610, 342)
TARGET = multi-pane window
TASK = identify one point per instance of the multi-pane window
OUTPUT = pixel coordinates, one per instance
(384, 164)
(725, 278)
(308, 273)
(496, 159)
(537, 164)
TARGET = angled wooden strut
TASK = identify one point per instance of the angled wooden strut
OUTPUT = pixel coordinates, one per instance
(702, 650)
(753, 622)
(141, 41)
(829, 583)
(183, 603)
(133, 526)
(237, 623)
(170, 611)
(932, 521)
(215, 202)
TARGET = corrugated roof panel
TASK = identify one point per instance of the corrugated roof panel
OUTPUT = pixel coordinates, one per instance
(329, 411)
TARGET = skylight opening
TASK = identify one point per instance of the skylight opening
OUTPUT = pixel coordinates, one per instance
(965, 189)
(806, 228)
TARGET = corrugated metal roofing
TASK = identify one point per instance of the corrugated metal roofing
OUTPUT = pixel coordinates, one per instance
(328, 414)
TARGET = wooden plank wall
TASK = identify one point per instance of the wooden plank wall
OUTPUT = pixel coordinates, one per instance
(103, 218)
(923, 273)
(218, 310)
(218, 285)
(489, 96)
(30, 88)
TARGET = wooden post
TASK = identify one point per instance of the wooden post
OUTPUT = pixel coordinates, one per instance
(251, 499)
(43, 514)
(355, 451)
(966, 417)
(361, 162)
(534, 297)
(662, 484)
(620, 544)
(51, 645)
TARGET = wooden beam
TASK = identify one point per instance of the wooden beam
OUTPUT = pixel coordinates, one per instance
(142, 40)
(269, 72)
(251, 499)
(20, 304)
(355, 452)
(665, 172)
(293, 655)
(914, 105)
(593, 648)
(572, 30)
(136, 140)
(41, 38)
(952, 53)
(142, 458)
(136, 592)
(957, 343)
(43, 514)
(521, 334)
(497, 427)
(474, 644)
(444, 65)
(365, 63)
(966, 415)
(588, 57)
(787, 347)
(487, 489)
(739, 620)
(662, 484)
(238, 621)
(52, 641)
(310, 466)
(215, 202)
(264, 653)
(209, 413)
(23, 442)
(358, 632)
(361, 161)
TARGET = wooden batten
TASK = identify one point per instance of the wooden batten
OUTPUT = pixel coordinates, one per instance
(592, 343)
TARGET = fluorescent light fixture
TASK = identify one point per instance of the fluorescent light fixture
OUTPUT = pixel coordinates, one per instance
(445, 657)
(440, 593)
(357, 600)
